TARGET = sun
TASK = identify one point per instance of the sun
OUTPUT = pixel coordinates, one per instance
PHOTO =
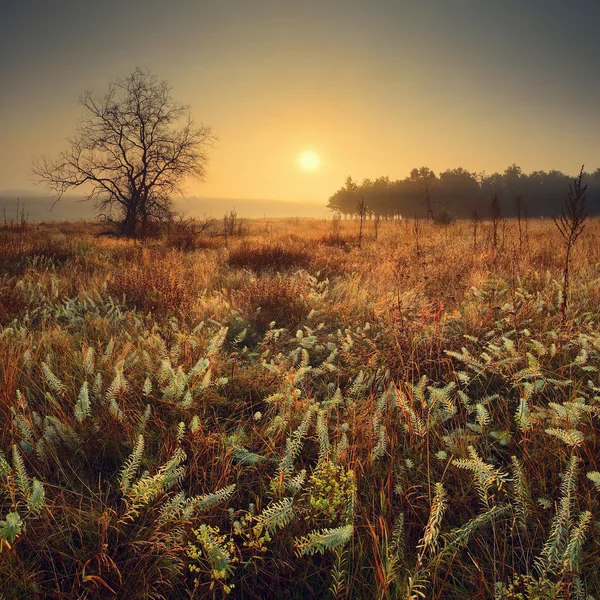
(309, 160)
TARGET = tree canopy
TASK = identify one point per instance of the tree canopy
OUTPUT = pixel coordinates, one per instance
(131, 151)
(456, 192)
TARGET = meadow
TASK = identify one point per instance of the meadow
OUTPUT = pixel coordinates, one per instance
(287, 411)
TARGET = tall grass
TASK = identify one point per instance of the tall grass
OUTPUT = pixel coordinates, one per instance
(277, 416)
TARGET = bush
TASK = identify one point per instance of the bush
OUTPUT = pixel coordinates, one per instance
(444, 217)
(191, 234)
(268, 258)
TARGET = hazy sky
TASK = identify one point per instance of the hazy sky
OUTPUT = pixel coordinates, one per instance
(374, 87)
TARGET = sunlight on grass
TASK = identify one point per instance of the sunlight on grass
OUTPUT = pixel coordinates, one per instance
(208, 415)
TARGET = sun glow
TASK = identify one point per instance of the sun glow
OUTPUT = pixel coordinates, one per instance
(309, 160)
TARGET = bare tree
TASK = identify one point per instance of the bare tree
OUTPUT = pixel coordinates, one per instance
(496, 214)
(361, 214)
(571, 223)
(475, 221)
(131, 152)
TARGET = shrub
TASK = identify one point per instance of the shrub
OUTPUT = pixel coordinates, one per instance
(191, 234)
(444, 217)
(268, 258)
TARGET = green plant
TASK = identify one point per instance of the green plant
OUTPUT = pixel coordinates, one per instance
(26, 497)
(401, 430)
(331, 490)
(217, 551)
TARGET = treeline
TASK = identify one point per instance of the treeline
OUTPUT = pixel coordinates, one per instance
(455, 193)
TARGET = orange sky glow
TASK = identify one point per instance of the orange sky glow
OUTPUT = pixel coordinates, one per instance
(372, 88)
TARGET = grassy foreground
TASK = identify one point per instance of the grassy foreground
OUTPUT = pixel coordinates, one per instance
(284, 414)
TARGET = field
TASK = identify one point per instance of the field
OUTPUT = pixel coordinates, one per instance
(291, 412)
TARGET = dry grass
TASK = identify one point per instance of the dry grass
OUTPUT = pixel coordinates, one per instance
(155, 283)
(338, 383)
(273, 301)
(273, 258)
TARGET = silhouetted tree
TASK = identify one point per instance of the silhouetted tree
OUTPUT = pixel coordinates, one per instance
(424, 178)
(132, 149)
(513, 179)
(475, 221)
(496, 216)
(361, 214)
(455, 191)
(345, 199)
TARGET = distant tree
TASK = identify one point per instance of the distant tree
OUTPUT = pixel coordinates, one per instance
(345, 199)
(424, 178)
(492, 184)
(513, 177)
(496, 216)
(456, 190)
(475, 221)
(361, 214)
(132, 149)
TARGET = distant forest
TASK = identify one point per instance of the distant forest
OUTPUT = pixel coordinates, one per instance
(456, 193)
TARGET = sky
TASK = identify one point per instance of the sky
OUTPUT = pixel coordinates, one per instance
(373, 87)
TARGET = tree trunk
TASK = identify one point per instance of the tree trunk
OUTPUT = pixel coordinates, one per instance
(143, 230)
(128, 225)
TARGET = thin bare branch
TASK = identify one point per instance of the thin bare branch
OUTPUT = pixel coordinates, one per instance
(131, 151)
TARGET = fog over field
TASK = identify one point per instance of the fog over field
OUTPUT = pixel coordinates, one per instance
(72, 208)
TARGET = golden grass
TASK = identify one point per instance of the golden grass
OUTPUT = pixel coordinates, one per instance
(333, 386)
